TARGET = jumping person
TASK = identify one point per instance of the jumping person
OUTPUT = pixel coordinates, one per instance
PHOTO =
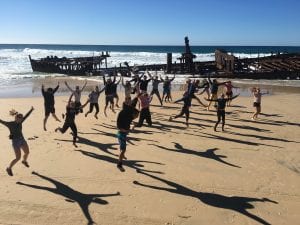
(127, 88)
(185, 110)
(214, 86)
(144, 100)
(77, 95)
(71, 112)
(167, 88)
(110, 87)
(144, 82)
(155, 83)
(221, 105)
(93, 100)
(18, 140)
(257, 101)
(136, 79)
(115, 94)
(124, 119)
(49, 103)
(192, 88)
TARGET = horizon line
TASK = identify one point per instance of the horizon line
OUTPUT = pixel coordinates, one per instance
(151, 45)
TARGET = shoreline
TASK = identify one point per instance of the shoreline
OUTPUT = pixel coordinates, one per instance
(30, 87)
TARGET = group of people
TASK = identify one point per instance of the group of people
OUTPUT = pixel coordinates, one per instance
(129, 110)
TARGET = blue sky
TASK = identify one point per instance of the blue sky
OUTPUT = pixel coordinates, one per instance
(150, 22)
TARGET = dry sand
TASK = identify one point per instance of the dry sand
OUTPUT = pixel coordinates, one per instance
(248, 174)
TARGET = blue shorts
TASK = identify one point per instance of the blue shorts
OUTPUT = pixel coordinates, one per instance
(18, 142)
(122, 136)
(166, 91)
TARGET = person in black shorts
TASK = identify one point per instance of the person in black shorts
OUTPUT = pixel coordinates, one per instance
(18, 141)
(49, 103)
(221, 104)
(71, 112)
(124, 119)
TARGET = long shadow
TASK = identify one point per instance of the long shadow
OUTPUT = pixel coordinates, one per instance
(71, 195)
(129, 136)
(134, 164)
(132, 131)
(236, 203)
(246, 127)
(216, 137)
(209, 153)
(261, 137)
(270, 122)
(101, 146)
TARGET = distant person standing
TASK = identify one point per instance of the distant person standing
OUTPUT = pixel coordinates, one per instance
(110, 87)
(257, 101)
(18, 141)
(144, 82)
(167, 88)
(155, 83)
(127, 88)
(77, 95)
(228, 86)
(49, 103)
(115, 91)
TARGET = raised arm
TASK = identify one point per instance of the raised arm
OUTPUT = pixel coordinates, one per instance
(149, 74)
(119, 80)
(55, 89)
(43, 89)
(27, 114)
(172, 78)
(84, 86)
(209, 80)
(104, 81)
(70, 98)
(103, 89)
(5, 123)
(67, 85)
(162, 80)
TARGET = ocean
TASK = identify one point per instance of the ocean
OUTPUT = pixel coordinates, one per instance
(16, 72)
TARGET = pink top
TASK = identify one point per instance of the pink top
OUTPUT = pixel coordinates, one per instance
(145, 101)
(228, 87)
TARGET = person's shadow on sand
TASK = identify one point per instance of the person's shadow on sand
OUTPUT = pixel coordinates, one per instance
(83, 200)
(235, 203)
(134, 164)
(209, 153)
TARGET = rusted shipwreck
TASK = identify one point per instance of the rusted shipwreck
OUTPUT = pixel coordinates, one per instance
(277, 66)
(79, 66)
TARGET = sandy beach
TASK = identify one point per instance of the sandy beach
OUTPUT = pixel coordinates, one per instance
(248, 174)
